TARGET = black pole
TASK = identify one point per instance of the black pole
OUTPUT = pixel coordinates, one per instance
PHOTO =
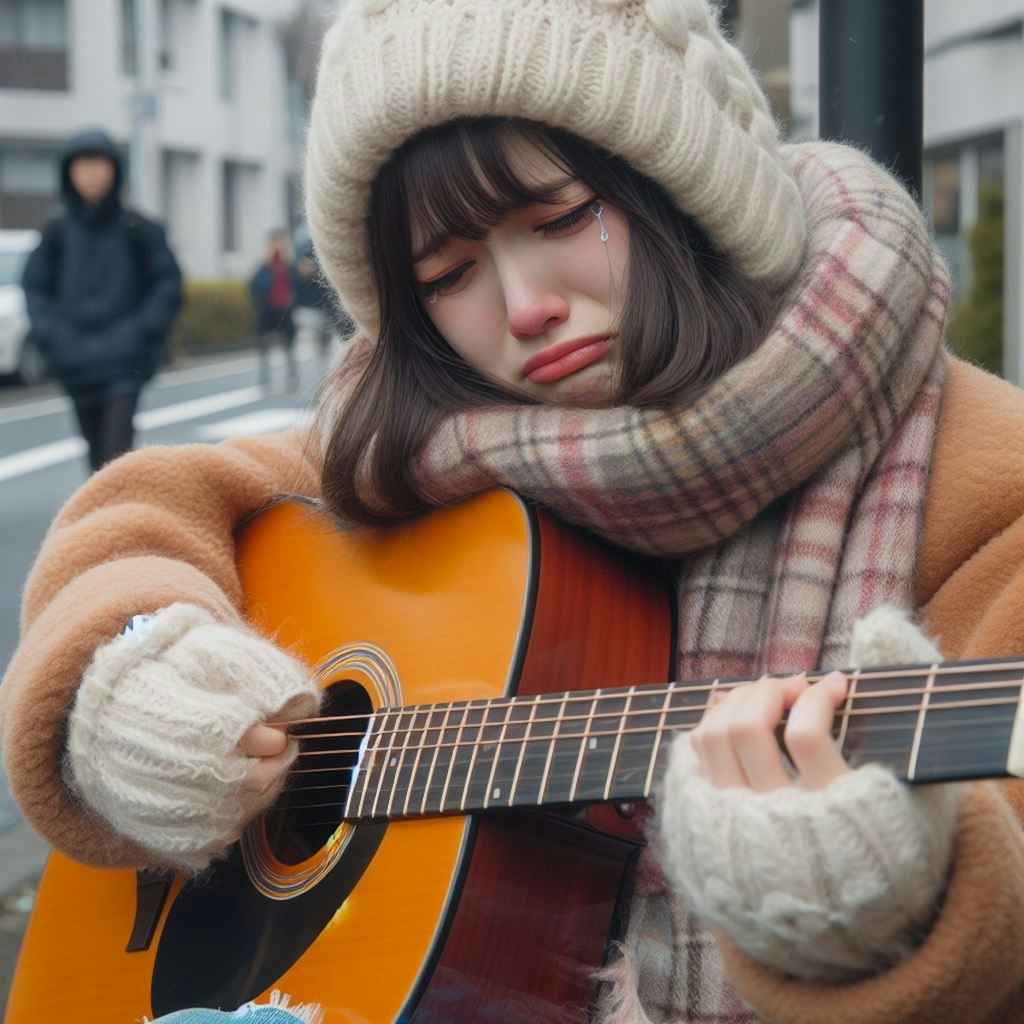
(871, 80)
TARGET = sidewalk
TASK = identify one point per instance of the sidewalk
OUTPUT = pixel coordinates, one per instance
(22, 855)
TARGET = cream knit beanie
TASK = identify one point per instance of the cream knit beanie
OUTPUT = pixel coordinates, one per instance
(653, 81)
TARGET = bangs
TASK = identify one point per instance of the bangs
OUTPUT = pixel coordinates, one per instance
(466, 179)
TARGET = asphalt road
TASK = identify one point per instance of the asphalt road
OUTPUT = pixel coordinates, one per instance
(42, 462)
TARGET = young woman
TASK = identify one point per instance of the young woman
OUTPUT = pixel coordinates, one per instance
(584, 269)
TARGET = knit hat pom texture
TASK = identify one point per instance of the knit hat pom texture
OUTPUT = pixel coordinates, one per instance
(653, 81)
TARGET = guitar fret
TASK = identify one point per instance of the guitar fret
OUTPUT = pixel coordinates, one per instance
(439, 746)
(491, 791)
(461, 707)
(618, 743)
(527, 736)
(657, 738)
(584, 742)
(396, 777)
(915, 748)
(485, 753)
(536, 751)
(468, 734)
(555, 731)
(387, 759)
(472, 758)
(423, 764)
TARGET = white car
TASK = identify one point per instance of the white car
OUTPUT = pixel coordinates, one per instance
(18, 354)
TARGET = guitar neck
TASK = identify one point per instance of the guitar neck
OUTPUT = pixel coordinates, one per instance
(926, 723)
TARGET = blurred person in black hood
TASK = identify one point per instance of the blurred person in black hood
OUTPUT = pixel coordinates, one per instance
(102, 290)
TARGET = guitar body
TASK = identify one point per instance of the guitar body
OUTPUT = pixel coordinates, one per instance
(502, 916)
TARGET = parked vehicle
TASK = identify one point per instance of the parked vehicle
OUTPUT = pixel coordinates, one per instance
(19, 355)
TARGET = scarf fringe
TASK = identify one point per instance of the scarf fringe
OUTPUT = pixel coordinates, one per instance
(620, 1004)
(309, 1013)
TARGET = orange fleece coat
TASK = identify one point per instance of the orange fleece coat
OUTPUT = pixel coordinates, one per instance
(157, 527)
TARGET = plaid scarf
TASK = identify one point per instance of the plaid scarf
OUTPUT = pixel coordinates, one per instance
(792, 493)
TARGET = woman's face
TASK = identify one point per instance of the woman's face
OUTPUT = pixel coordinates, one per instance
(533, 305)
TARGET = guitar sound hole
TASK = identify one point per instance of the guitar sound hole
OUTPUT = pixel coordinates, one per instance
(311, 806)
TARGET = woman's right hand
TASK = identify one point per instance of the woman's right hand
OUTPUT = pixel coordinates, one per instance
(167, 741)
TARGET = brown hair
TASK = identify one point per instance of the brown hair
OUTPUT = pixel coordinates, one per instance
(687, 314)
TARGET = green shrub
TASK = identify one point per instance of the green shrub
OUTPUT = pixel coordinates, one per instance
(976, 332)
(216, 314)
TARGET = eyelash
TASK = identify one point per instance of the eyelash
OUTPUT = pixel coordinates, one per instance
(570, 220)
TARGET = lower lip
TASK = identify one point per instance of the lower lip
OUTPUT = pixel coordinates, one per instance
(570, 363)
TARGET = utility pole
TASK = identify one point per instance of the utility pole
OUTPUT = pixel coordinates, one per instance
(142, 154)
(871, 80)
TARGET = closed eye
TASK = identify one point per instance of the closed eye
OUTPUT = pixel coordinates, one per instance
(443, 284)
(574, 218)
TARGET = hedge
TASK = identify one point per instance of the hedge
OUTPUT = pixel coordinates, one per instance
(217, 314)
(976, 332)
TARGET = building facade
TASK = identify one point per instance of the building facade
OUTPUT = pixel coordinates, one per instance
(974, 158)
(197, 94)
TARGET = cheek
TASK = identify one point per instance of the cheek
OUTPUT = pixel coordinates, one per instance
(470, 327)
(599, 270)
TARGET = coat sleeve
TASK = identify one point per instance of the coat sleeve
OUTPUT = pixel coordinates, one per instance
(155, 527)
(970, 590)
(163, 296)
(39, 283)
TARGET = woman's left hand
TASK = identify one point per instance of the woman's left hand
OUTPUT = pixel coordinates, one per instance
(736, 742)
(816, 870)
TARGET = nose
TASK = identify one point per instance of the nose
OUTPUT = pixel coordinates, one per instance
(532, 300)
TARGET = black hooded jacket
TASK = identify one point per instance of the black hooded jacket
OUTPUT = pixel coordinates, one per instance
(102, 288)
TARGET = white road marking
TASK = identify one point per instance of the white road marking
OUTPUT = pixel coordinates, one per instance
(196, 407)
(46, 455)
(41, 457)
(262, 421)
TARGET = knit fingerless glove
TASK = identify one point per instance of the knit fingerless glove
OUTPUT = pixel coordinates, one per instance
(826, 885)
(154, 731)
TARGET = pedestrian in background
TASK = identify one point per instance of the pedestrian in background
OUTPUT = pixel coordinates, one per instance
(102, 289)
(273, 288)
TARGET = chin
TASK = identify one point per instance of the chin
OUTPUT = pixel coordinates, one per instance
(586, 390)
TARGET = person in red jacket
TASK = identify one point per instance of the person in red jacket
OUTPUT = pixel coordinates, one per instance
(273, 287)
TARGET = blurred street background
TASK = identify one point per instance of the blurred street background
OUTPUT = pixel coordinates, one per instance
(207, 100)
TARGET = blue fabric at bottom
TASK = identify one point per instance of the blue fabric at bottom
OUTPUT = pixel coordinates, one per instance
(248, 1014)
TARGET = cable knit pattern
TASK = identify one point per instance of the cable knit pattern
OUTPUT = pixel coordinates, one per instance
(153, 735)
(824, 886)
(655, 82)
(828, 885)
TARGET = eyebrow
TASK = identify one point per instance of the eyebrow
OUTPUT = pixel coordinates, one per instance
(437, 242)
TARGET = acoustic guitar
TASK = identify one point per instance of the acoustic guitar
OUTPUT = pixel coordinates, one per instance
(456, 840)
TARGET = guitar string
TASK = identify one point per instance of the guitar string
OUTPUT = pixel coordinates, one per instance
(877, 753)
(413, 729)
(415, 794)
(661, 689)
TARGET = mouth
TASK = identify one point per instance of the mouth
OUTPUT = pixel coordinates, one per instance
(565, 358)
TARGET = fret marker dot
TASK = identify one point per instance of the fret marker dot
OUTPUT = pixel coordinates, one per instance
(496, 794)
(394, 761)
(593, 743)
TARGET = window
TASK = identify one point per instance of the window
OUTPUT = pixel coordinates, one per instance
(34, 24)
(236, 33)
(33, 44)
(29, 186)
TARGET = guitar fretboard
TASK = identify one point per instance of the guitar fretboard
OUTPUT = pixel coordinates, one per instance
(926, 723)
